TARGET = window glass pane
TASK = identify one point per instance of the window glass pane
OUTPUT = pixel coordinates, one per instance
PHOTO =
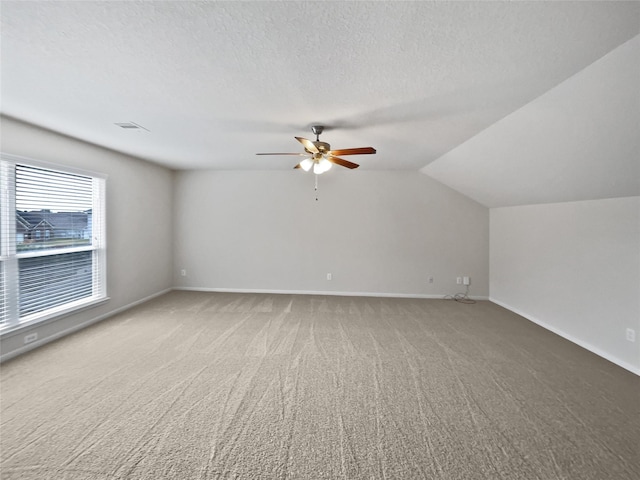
(53, 209)
(53, 280)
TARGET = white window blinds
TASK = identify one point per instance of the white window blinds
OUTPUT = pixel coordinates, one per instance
(52, 239)
(3, 308)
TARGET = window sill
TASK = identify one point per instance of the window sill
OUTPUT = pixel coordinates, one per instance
(55, 314)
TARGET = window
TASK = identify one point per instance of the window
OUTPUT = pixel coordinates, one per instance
(52, 241)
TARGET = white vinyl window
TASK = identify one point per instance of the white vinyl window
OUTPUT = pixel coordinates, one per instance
(52, 241)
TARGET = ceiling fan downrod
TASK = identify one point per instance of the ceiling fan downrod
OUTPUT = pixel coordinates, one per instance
(317, 130)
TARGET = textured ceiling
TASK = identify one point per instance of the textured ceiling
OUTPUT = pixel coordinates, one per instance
(215, 82)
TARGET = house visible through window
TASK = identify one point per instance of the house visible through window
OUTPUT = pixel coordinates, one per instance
(52, 241)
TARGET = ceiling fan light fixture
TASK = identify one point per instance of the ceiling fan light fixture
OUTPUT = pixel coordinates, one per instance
(321, 166)
(306, 164)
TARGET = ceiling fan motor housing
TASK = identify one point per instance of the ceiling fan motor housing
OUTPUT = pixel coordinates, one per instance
(322, 147)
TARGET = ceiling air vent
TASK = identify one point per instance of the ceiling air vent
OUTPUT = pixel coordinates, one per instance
(130, 126)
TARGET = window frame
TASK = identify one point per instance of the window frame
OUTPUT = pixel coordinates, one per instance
(10, 257)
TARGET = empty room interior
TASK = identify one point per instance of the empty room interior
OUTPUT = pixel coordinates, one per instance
(320, 240)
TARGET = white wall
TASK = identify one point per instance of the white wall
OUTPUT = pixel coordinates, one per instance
(574, 268)
(375, 232)
(139, 223)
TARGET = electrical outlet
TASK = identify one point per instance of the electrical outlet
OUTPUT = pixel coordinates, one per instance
(183, 272)
(459, 280)
(466, 280)
(329, 276)
(631, 334)
(32, 337)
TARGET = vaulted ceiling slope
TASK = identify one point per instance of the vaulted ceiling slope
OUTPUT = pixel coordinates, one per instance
(212, 83)
(578, 141)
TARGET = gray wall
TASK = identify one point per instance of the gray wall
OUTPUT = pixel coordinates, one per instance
(573, 268)
(375, 232)
(139, 223)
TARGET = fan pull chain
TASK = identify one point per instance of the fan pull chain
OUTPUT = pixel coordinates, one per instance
(316, 188)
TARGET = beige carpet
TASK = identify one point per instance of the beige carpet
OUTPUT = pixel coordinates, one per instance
(243, 386)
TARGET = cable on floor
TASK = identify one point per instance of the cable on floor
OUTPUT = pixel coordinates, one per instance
(461, 297)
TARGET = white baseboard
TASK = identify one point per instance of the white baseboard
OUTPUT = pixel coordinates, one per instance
(571, 338)
(321, 292)
(75, 328)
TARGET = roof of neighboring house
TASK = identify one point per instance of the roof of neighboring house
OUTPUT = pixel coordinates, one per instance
(56, 220)
(22, 225)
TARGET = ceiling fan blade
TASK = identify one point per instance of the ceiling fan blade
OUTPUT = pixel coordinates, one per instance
(308, 145)
(353, 151)
(296, 154)
(342, 162)
(297, 166)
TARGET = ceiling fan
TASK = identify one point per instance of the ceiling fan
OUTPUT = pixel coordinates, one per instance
(320, 156)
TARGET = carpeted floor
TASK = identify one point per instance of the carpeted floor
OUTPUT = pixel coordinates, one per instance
(241, 386)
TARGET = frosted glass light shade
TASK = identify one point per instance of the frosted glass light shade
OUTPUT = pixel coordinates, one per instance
(306, 164)
(322, 166)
